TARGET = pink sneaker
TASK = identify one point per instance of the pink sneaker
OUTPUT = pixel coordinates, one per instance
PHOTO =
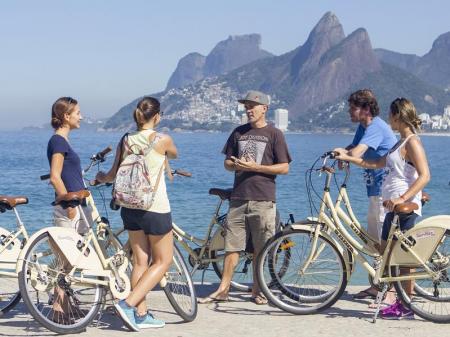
(396, 311)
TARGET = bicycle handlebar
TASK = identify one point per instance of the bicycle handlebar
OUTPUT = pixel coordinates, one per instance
(101, 155)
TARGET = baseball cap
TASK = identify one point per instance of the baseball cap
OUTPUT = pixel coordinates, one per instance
(255, 97)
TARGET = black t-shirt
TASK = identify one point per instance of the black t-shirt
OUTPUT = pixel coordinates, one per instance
(265, 146)
(71, 173)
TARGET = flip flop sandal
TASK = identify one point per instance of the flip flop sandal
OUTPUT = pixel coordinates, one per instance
(363, 294)
(259, 300)
(209, 299)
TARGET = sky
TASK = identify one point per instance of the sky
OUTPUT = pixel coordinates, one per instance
(105, 53)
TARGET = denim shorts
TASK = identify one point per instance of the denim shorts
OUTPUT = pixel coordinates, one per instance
(407, 221)
(151, 223)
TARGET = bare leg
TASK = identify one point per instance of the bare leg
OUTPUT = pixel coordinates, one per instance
(141, 249)
(162, 253)
(229, 264)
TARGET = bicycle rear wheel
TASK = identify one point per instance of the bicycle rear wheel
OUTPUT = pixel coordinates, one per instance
(9, 293)
(243, 273)
(179, 288)
(60, 306)
(431, 297)
(9, 287)
(299, 287)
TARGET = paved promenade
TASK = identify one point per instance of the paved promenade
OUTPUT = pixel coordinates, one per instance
(239, 317)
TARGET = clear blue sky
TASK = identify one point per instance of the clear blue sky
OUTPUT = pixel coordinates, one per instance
(106, 53)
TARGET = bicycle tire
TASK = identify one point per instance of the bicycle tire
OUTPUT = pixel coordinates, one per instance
(37, 309)
(179, 288)
(10, 303)
(9, 287)
(282, 290)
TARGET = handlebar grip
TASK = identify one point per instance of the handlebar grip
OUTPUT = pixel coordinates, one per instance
(182, 173)
(105, 151)
(330, 154)
(101, 155)
(45, 177)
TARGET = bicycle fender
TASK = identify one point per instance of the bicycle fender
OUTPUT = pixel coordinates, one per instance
(311, 228)
(67, 240)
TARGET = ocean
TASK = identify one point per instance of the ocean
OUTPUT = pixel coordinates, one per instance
(23, 160)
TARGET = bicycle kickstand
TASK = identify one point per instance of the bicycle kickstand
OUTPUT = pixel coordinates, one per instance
(380, 295)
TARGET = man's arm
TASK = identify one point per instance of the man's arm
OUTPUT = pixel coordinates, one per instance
(251, 166)
(358, 151)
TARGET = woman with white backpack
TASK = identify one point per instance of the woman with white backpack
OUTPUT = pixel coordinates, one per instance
(140, 188)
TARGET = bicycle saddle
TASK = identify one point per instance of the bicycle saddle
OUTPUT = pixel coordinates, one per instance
(10, 202)
(71, 199)
(221, 193)
(406, 207)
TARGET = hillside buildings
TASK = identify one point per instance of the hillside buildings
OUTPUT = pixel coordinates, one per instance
(437, 122)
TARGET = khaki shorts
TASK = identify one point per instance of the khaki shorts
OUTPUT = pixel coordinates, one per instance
(60, 219)
(245, 217)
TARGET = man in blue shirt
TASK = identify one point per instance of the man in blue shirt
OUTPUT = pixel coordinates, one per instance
(373, 139)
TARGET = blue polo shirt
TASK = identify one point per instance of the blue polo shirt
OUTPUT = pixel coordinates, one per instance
(71, 173)
(379, 138)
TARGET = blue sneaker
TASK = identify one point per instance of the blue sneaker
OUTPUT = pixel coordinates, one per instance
(127, 314)
(148, 321)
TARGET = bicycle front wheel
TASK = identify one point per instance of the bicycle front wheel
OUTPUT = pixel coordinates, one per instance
(243, 273)
(59, 305)
(179, 288)
(313, 280)
(431, 296)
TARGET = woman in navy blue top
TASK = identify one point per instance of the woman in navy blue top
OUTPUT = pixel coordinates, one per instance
(65, 176)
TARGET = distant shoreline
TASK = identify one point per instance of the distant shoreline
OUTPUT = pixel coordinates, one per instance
(322, 132)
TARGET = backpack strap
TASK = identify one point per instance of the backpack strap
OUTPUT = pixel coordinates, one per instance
(122, 145)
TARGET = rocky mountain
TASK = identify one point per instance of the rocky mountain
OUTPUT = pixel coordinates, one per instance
(189, 70)
(404, 61)
(312, 81)
(227, 55)
(433, 67)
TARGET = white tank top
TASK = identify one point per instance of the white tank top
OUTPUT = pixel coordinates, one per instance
(155, 161)
(401, 175)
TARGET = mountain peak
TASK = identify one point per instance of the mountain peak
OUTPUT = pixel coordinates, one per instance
(327, 22)
(233, 53)
(327, 33)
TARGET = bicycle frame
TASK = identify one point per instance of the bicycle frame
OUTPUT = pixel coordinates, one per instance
(208, 244)
(11, 246)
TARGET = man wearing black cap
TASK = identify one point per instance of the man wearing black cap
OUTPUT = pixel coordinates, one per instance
(256, 152)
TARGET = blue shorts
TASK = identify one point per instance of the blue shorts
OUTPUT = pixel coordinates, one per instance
(407, 221)
(151, 223)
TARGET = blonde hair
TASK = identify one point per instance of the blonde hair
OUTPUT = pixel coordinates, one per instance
(407, 113)
(146, 109)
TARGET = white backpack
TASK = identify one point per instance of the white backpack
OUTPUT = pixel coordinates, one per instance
(132, 186)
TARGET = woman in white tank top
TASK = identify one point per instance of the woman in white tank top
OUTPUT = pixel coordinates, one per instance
(149, 230)
(408, 174)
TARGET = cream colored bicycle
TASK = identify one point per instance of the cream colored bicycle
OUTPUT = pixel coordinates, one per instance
(322, 250)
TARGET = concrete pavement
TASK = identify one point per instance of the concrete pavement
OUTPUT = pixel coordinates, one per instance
(240, 317)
